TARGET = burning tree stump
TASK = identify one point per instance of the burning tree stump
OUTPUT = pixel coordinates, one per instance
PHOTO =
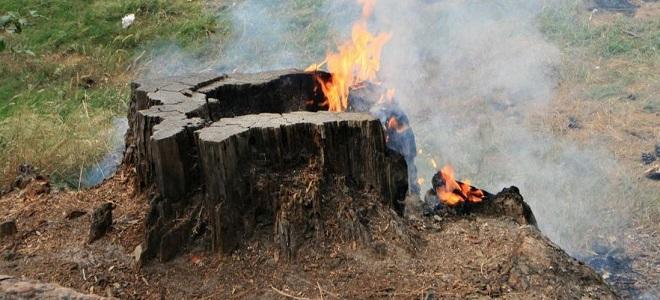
(207, 144)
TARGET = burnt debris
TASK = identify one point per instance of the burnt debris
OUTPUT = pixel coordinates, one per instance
(622, 6)
(615, 265)
(648, 158)
(8, 228)
(372, 98)
(507, 203)
(101, 222)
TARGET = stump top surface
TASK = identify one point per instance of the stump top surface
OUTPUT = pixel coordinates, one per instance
(227, 127)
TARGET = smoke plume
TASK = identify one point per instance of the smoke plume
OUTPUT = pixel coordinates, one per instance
(475, 78)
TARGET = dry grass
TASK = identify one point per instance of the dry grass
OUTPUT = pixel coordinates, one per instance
(610, 84)
(58, 146)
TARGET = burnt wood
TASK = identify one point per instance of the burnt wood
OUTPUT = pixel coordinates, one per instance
(350, 145)
(195, 139)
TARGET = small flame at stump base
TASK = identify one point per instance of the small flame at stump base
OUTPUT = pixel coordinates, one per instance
(451, 192)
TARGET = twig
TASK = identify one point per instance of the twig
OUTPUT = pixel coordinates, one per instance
(320, 290)
(288, 295)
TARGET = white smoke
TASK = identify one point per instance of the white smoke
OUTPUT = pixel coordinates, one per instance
(263, 35)
(475, 78)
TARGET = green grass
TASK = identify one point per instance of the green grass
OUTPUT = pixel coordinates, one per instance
(568, 24)
(611, 58)
(65, 75)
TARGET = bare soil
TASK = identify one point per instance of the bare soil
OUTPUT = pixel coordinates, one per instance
(447, 258)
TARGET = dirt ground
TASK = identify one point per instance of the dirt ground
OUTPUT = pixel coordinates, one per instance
(420, 258)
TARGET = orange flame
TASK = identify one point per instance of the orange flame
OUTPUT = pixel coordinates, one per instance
(355, 61)
(455, 192)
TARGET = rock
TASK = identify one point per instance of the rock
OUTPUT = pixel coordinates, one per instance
(657, 150)
(13, 288)
(101, 222)
(8, 228)
(74, 214)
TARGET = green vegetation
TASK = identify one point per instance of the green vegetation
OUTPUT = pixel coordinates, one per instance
(65, 68)
(610, 76)
(613, 55)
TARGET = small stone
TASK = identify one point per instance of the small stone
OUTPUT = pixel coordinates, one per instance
(74, 214)
(8, 228)
(101, 222)
(648, 158)
(657, 150)
(437, 218)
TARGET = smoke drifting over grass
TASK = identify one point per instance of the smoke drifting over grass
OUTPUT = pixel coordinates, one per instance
(475, 78)
(252, 36)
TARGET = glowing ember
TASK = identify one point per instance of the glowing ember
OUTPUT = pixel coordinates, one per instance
(394, 124)
(452, 192)
(356, 60)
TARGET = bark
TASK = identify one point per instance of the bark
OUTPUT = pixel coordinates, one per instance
(234, 151)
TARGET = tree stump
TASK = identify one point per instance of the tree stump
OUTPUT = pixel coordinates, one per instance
(204, 142)
(234, 152)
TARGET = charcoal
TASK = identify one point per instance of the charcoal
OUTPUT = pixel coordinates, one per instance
(101, 222)
(623, 6)
(8, 228)
(573, 123)
(648, 158)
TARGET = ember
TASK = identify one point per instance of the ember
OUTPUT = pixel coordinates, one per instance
(451, 192)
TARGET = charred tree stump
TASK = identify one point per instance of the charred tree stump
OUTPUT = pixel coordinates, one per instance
(234, 150)
(202, 143)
